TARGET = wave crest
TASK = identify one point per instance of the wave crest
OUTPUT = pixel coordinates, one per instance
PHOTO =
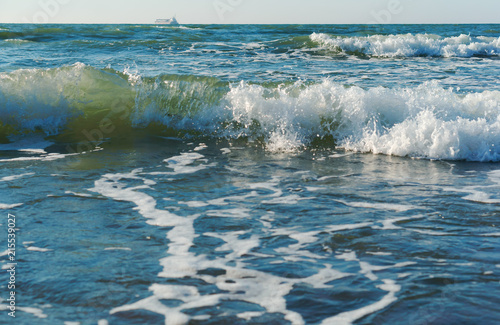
(410, 45)
(427, 121)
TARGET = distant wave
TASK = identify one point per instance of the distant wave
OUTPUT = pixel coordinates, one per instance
(410, 45)
(77, 102)
(366, 43)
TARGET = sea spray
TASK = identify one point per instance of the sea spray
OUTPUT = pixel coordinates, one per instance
(425, 121)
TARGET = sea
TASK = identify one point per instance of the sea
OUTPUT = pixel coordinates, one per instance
(249, 174)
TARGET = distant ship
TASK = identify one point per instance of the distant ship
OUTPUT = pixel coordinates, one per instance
(170, 21)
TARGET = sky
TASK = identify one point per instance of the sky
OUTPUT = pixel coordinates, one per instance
(251, 11)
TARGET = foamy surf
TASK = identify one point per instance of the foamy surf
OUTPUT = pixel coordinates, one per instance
(410, 45)
(231, 271)
(426, 121)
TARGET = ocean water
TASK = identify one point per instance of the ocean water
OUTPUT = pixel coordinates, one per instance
(225, 174)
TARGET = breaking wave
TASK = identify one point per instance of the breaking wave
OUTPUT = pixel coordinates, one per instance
(409, 45)
(76, 103)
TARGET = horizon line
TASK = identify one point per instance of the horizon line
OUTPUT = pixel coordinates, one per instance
(376, 24)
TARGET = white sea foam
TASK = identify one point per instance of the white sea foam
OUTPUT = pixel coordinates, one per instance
(194, 204)
(78, 194)
(34, 311)
(236, 246)
(229, 213)
(248, 315)
(379, 206)
(429, 232)
(409, 45)
(17, 41)
(485, 193)
(334, 228)
(225, 200)
(379, 253)
(297, 252)
(288, 199)
(37, 312)
(49, 157)
(200, 147)
(427, 121)
(366, 268)
(481, 197)
(184, 163)
(4, 206)
(239, 282)
(38, 249)
(493, 234)
(388, 224)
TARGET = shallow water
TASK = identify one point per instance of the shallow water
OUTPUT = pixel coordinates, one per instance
(212, 186)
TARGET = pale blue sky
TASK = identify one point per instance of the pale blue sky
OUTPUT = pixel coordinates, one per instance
(251, 11)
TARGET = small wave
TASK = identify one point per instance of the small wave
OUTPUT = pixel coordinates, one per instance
(17, 41)
(83, 103)
(409, 45)
(6, 34)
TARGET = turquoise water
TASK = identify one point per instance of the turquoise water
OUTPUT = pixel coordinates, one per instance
(313, 174)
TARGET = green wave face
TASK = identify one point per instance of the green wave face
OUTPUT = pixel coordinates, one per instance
(65, 101)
